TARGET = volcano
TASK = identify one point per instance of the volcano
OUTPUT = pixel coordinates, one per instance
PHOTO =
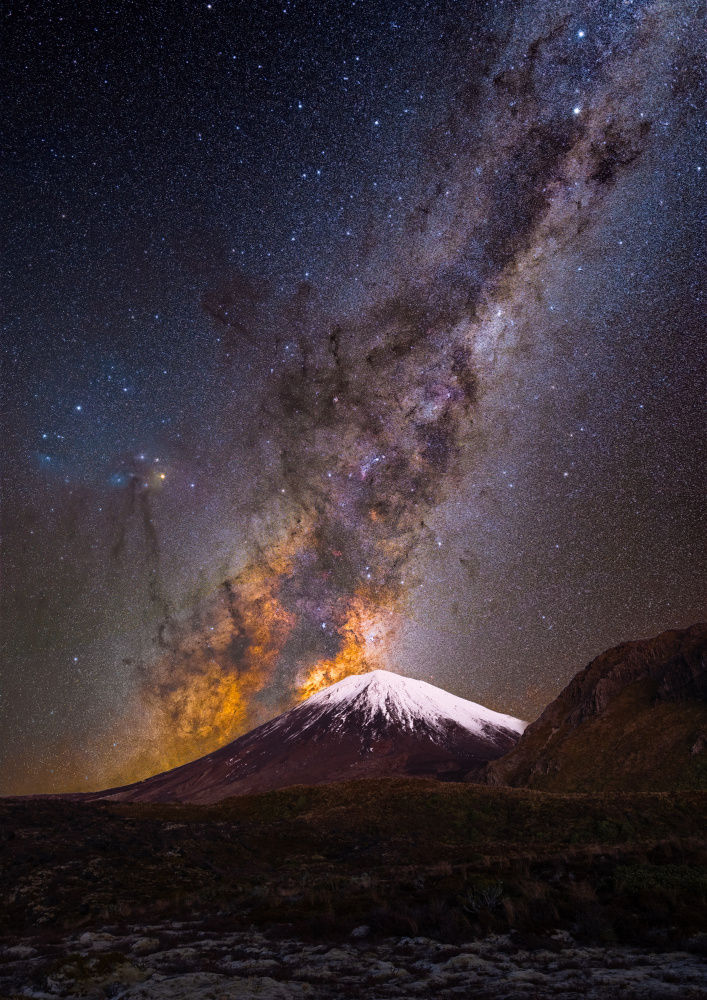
(371, 725)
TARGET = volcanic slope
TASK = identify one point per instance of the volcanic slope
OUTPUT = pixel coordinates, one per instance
(634, 719)
(366, 726)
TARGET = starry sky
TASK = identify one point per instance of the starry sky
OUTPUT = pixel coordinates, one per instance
(340, 336)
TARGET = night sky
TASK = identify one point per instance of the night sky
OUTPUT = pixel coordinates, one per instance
(339, 336)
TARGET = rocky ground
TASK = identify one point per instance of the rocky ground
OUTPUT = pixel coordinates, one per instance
(181, 961)
(371, 889)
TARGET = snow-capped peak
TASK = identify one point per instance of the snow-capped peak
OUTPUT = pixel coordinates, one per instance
(407, 702)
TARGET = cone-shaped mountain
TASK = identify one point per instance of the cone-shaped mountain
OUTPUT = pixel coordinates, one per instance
(370, 725)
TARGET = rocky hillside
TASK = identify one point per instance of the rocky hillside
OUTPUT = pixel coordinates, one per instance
(634, 719)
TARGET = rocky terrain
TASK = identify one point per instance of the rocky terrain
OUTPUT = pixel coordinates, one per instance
(370, 888)
(183, 961)
(634, 718)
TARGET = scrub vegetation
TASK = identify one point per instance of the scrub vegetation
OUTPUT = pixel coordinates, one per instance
(401, 856)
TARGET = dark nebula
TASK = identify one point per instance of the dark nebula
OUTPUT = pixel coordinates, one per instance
(336, 338)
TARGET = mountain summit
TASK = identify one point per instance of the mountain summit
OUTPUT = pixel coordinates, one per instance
(369, 725)
(381, 701)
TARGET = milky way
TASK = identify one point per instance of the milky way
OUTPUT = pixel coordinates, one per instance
(371, 341)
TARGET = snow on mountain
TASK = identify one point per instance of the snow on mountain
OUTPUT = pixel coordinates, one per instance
(409, 703)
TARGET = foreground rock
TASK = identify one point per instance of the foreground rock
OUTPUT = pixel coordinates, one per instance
(191, 964)
(634, 719)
